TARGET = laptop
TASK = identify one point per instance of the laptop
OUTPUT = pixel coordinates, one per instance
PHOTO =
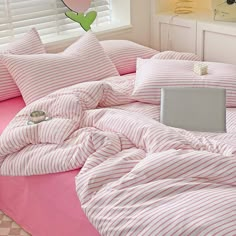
(194, 109)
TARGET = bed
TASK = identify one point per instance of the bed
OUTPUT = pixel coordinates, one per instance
(103, 163)
(58, 212)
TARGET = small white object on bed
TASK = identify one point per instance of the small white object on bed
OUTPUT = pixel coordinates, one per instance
(200, 68)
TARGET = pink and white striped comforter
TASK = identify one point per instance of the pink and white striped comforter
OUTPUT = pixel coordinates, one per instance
(138, 176)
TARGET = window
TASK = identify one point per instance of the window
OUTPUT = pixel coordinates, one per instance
(47, 16)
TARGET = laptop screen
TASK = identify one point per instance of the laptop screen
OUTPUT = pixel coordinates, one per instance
(194, 109)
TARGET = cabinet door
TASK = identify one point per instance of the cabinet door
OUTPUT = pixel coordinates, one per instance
(177, 34)
(216, 41)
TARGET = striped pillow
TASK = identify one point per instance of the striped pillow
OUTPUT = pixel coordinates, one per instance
(30, 43)
(124, 54)
(172, 55)
(154, 74)
(39, 75)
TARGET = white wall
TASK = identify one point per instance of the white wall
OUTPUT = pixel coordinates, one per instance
(140, 18)
(139, 32)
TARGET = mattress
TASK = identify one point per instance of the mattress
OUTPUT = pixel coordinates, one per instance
(58, 212)
(8, 109)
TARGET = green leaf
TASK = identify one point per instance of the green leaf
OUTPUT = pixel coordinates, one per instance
(84, 20)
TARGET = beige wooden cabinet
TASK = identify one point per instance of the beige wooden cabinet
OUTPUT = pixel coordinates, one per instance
(196, 33)
(176, 33)
(217, 41)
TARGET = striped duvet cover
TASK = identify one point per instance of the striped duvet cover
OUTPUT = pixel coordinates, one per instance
(138, 176)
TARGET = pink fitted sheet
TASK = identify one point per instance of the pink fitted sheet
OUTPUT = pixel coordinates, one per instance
(45, 205)
(8, 109)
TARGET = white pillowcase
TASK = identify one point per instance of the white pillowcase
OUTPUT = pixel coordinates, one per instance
(154, 74)
(39, 75)
(30, 43)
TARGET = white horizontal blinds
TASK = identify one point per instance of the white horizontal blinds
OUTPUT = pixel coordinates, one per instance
(48, 16)
(103, 8)
(5, 26)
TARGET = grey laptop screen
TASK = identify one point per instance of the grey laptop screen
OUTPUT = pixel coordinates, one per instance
(195, 109)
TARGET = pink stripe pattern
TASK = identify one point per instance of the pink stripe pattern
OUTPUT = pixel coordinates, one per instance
(38, 75)
(28, 44)
(173, 55)
(138, 176)
(154, 74)
(124, 54)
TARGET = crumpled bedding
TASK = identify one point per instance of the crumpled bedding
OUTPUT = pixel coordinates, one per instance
(138, 177)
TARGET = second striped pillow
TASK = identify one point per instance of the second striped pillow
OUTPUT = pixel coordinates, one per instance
(38, 75)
